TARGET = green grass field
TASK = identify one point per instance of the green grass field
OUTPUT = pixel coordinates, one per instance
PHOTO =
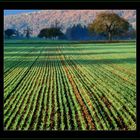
(70, 86)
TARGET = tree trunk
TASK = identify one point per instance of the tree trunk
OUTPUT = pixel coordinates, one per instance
(109, 36)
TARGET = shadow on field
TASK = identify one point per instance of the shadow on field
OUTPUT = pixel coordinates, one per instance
(58, 54)
(54, 62)
(69, 48)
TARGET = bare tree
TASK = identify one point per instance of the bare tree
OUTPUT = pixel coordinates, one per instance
(28, 31)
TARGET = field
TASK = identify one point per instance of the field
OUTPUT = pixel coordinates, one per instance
(69, 86)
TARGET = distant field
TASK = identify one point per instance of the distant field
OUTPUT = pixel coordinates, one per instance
(70, 86)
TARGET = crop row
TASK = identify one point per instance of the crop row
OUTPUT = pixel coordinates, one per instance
(60, 87)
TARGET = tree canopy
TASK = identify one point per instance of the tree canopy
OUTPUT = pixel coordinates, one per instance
(52, 32)
(109, 23)
(10, 32)
(77, 32)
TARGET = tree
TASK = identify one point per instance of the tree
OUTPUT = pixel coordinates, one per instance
(44, 33)
(53, 32)
(28, 32)
(10, 32)
(109, 23)
(131, 34)
(77, 32)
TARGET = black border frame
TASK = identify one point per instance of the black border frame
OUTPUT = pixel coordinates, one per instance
(68, 1)
(70, 134)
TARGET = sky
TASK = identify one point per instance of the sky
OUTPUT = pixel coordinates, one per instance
(11, 12)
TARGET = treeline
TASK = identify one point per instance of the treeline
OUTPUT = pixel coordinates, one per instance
(106, 26)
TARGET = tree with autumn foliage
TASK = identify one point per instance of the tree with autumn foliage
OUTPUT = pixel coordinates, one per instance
(109, 23)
